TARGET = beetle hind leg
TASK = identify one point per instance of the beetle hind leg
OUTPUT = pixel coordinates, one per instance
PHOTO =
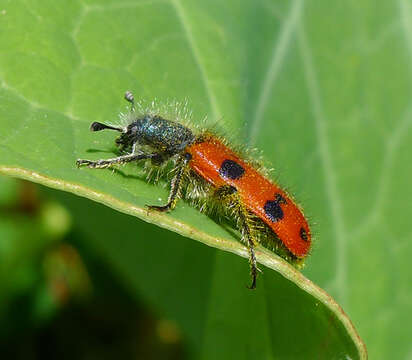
(248, 239)
(228, 194)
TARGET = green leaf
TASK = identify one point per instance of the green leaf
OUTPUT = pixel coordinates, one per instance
(204, 291)
(323, 90)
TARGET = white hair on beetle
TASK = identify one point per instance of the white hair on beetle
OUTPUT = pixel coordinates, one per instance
(173, 110)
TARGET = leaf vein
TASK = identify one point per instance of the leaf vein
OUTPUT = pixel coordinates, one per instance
(196, 54)
(280, 50)
(326, 160)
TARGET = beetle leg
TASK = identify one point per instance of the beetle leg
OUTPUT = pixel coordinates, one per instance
(176, 185)
(248, 239)
(104, 163)
(228, 193)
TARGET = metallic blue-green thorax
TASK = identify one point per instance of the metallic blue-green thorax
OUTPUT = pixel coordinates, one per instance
(163, 135)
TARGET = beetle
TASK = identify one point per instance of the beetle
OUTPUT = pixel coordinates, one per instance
(261, 209)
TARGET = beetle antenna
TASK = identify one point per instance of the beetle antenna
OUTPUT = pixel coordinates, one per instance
(130, 98)
(97, 126)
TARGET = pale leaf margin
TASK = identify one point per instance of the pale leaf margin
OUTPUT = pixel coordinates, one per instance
(265, 257)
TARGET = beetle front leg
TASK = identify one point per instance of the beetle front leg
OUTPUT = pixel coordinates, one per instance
(104, 163)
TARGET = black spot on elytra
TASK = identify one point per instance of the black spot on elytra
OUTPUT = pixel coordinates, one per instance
(303, 234)
(231, 170)
(273, 210)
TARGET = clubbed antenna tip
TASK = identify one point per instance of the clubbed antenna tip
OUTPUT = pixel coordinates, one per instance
(129, 96)
(96, 126)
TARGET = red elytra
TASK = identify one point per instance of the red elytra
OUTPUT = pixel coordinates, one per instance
(258, 194)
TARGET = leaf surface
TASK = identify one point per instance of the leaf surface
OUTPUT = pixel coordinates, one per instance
(323, 91)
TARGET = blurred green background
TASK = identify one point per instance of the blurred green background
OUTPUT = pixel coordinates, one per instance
(323, 89)
(60, 297)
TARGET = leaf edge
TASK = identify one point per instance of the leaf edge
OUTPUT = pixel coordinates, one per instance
(264, 256)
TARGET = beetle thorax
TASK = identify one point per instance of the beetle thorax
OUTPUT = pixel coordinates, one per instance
(163, 135)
